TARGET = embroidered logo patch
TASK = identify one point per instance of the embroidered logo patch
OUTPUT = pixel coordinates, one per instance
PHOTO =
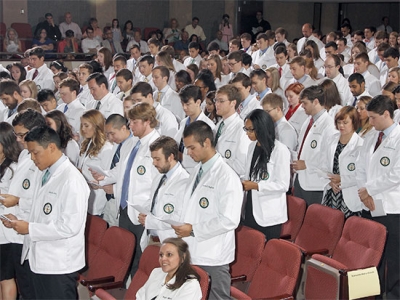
(385, 161)
(313, 144)
(141, 170)
(168, 208)
(265, 176)
(203, 202)
(351, 167)
(47, 208)
(228, 154)
(26, 184)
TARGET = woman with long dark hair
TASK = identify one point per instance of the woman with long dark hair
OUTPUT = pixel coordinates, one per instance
(175, 279)
(9, 152)
(267, 176)
(56, 120)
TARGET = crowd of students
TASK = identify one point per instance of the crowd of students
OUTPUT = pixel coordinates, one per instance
(191, 149)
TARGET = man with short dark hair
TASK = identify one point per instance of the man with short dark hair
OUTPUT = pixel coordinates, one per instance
(146, 65)
(245, 40)
(263, 58)
(249, 102)
(104, 101)
(53, 32)
(369, 40)
(90, 44)
(298, 70)
(372, 84)
(55, 229)
(332, 66)
(315, 129)
(109, 43)
(119, 63)
(222, 45)
(47, 100)
(40, 73)
(281, 57)
(195, 28)
(211, 210)
(357, 88)
(10, 95)
(124, 79)
(378, 180)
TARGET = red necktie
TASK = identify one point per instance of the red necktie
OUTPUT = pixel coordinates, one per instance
(280, 71)
(35, 74)
(379, 140)
(305, 135)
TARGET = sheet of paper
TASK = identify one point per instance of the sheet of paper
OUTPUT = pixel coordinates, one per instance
(171, 222)
(379, 211)
(363, 283)
(97, 169)
(141, 209)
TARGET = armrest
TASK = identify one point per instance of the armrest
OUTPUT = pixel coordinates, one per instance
(105, 286)
(237, 294)
(286, 237)
(239, 278)
(88, 281)
(316, 251)
(281, 297)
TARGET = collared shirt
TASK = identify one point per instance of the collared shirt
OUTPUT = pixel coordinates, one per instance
(208, 164)
(302, 79)
(247, 100)
(318, 114)
(171, 172)
(264, 92)
(388, 130)
(52, 169)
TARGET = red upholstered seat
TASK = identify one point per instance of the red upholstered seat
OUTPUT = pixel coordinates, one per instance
(296, 210)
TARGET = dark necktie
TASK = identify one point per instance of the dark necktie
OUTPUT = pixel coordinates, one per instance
(355, 101)
(379, 140)
(153, 202)
(198, 177)
(98, 105)
(305, 135)
(35, 74)
(114, 162)
(219, 132)
(65, 108)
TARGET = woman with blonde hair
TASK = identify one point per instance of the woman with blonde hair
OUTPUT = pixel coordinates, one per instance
(214, 64)
(95, 151)
(311, 70)
(291, 51)
(357, 48)
(365, 126)
(393, 39)
(394, 75)
(172, 33)
(164, 59)
(11, 43)
(28, 89)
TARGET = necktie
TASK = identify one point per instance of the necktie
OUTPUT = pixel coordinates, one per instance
(80, 90)
(198, 177)
(127, 176)
(45, 177)
(193, 61)
(98, 105)
(305, 135)
(114, 85)
(153, 202)
(219, 132)
(240, 108)
(355, 101)
(114, 162)
(35, 74)
(65, 108)
(112, 47)
(280, 71)
(11, 111)
(159, 96)
(258, 97)
(146, 80)
(379, 140)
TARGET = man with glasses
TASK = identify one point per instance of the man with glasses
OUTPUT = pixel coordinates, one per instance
(259, 83)
(332, 66)
(109, 43)
(249, 101)
(90, 44)
(230, 140)
(235, 63)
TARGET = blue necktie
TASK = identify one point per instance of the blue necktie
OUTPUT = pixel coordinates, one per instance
(114, 162)
(127, 176)
(65, 108)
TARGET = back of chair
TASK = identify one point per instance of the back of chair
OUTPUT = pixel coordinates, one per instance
(249, 247)
(204, 281)
(147, 31)
(3, 29)
(361, 244)
(321, 228)
(24, 30)
(296, 210)
(114, 256)
(94, 232)
(278, 272)
(148, 262)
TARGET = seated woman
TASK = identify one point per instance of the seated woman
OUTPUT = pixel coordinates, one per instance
(11, 42)
(175, 279)
(68, 45)
(267, 176)
(44, 42)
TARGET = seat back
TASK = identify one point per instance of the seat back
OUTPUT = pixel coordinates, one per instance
(147, 31)
(24, 30)
(94, 232)
(114, 256)
(148, 261)
(296, 210)
(361, 244)
(278, 271)
(204, 281)
(3, 29)
(321, 229)
(249, 247)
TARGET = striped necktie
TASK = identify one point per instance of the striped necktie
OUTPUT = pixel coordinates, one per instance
(198, 178)
(45, 177)
(219, 132)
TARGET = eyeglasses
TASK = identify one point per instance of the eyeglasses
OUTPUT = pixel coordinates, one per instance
(219, 101)
(248, 130)
(232, 64)
(20, 135)
(268, 111)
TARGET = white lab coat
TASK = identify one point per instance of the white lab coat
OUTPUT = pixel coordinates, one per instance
(347, 167)
(109, 105)
(56, 240)
(187, 162)
(269, 201)
(298, 118)
(320, 130)
(251, 105)
(379, 172)
(168, 206)
(264, 61)
(287, 135)
(214, 211)
(171, 101)
(343, 88)
(44, 79)
(167, 123)
(233, 143)
(73, 114)
(97, 199)
(155, 288)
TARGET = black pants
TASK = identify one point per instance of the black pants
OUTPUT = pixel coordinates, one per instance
(310, 197)
(60, 286)
(137, 230)
(22, 274)
(390, 282)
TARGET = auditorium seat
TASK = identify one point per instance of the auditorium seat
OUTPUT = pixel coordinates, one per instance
(249, 247)
(296, 208)
(277, 275)
(360, 246)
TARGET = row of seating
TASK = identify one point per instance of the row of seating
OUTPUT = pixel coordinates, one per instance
(24, 31)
